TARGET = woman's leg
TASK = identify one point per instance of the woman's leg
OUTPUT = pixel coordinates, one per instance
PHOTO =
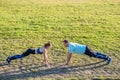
(26, 53)
(16, 57)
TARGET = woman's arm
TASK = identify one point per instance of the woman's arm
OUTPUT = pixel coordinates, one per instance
(46, 59)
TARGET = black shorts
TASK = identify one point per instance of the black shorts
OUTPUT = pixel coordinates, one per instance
(89, 52)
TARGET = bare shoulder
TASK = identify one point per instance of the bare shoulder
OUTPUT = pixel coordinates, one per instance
(44, 50)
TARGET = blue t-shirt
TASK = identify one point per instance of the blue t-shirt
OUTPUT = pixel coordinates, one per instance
(76, 48)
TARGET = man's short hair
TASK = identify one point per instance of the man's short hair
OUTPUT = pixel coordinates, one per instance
(65, 41)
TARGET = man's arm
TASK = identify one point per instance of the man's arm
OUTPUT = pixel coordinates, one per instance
(69, 55)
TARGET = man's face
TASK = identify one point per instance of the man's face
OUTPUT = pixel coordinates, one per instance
(65, 44)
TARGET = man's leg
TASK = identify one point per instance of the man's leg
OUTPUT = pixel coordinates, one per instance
(103, 56)
(91, 53)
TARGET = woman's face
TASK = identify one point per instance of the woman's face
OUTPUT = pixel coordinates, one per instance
(49, 47)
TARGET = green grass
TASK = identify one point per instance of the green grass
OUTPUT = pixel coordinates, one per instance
(31, 23)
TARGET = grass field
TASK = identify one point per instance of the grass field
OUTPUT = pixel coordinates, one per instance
(31, 23)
